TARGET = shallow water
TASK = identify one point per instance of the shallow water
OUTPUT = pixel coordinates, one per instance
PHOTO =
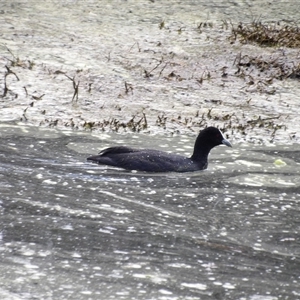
(75, 230)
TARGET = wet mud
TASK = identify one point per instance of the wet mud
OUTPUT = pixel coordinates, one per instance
(152, 67)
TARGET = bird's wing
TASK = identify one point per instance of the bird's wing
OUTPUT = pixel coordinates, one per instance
(117, 150)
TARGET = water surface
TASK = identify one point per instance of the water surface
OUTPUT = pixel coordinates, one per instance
(75, 230)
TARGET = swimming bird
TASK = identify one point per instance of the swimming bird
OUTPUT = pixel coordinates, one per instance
(149, 160)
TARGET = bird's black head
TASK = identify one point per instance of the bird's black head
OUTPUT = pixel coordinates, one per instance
(207, 139)
(213, 137)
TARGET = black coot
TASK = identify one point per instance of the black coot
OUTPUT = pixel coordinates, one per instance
(158, 161)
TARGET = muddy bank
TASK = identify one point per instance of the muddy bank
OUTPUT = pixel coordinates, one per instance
(152, 67)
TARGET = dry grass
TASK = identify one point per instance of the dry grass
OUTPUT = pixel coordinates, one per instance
(267, 35)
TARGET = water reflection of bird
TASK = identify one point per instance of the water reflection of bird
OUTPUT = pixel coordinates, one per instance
(158, 161)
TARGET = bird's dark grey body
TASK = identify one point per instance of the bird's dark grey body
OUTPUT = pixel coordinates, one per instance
(149, 160)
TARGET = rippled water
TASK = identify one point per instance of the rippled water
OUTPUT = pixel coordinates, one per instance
(74, 230)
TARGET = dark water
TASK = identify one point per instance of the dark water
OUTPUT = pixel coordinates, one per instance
(74, 230)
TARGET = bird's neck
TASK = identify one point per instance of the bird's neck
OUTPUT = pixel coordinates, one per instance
(201, 152)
